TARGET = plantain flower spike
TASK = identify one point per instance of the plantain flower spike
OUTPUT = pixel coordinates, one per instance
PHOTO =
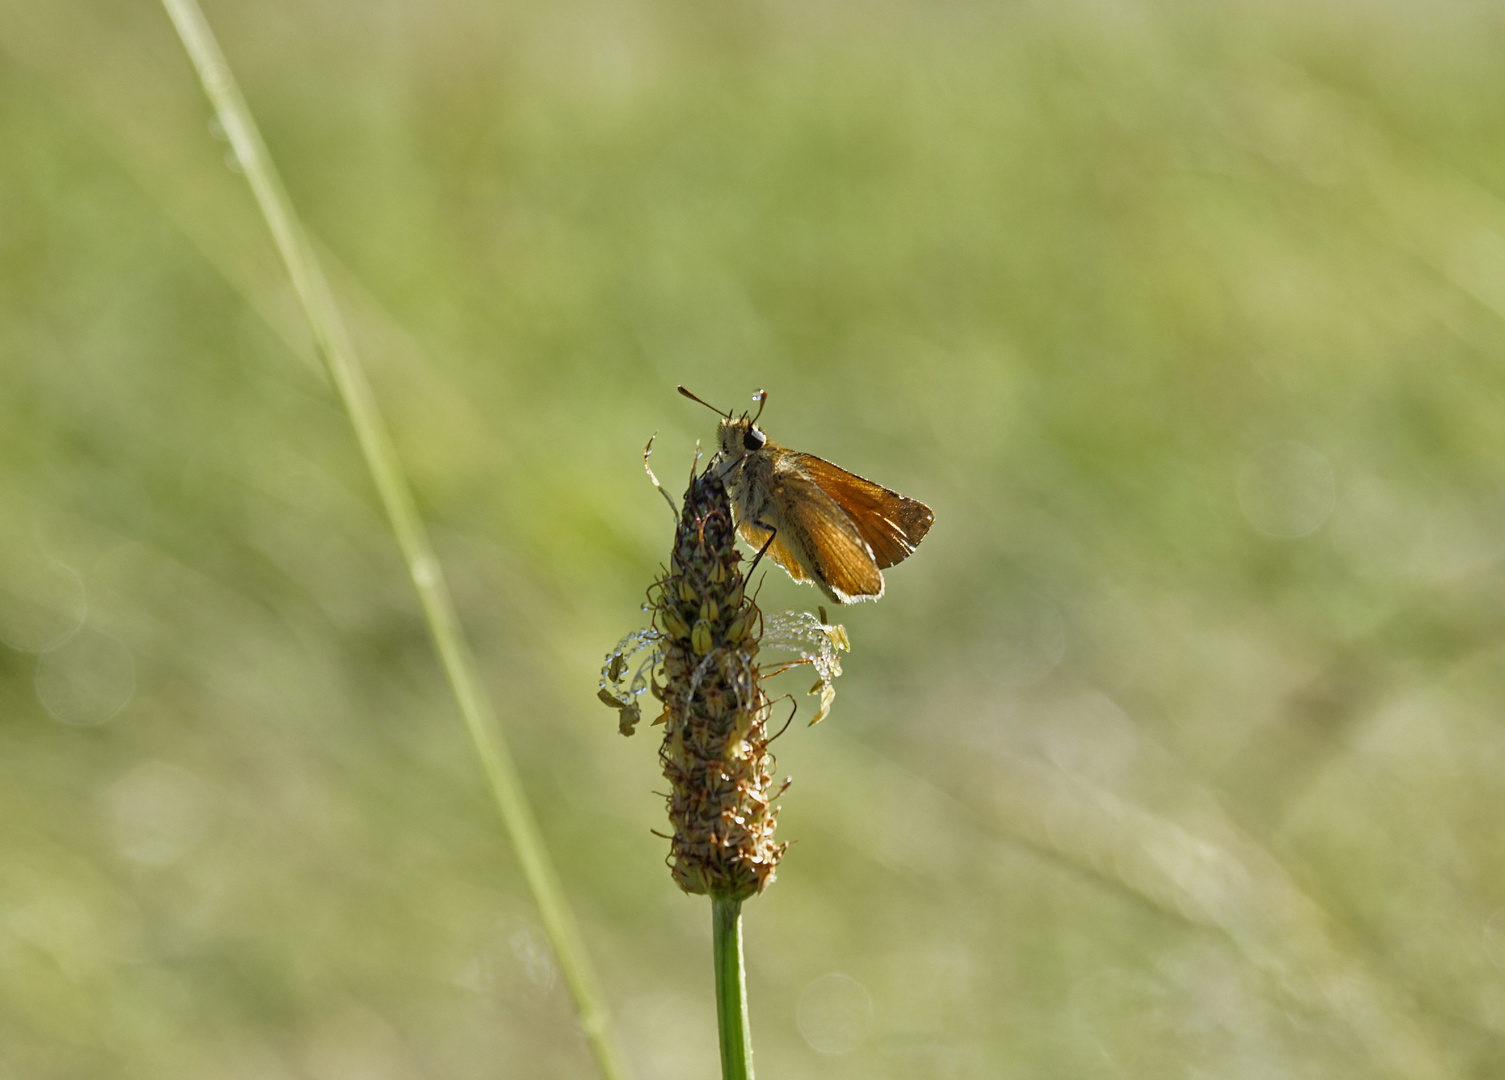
(715, 750)
(704, 644)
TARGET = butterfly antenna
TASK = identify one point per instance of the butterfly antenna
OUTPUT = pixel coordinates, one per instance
(707, 404)
(761, 397)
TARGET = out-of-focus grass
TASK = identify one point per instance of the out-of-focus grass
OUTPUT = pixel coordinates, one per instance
(1123, 778)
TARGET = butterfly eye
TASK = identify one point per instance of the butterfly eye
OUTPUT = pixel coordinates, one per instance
(754, 439)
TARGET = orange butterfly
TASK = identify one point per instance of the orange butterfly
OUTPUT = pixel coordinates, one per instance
(820, 523)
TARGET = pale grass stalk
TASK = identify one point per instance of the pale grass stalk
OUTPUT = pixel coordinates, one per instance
(412, 537)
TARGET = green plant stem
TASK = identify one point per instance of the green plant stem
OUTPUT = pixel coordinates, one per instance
(731, 990)
(412, 537)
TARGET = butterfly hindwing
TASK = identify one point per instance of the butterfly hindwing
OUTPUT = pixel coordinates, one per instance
(820, 538)
(836, 550)
(755, 538)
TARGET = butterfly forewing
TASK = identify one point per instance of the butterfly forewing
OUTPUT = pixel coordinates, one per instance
(891, 524)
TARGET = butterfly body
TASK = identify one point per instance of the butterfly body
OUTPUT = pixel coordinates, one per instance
(817, 521)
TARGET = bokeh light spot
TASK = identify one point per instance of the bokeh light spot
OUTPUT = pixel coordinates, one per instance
(1381, 529)
(1494, 938)
(537, 958)
(1022, 642)
(87, 679)
(834, 1013)
(1286, 490)
(1131, 1019)
(42, 602)
(156, 813)
(1089, 736)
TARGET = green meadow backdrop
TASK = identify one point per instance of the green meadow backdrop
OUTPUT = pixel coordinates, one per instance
(1177, 750)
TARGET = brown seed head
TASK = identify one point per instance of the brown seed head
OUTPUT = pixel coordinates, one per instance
(715, 751)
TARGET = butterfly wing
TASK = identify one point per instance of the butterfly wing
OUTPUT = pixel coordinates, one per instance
(842, 561)
(778, 551)
(891, 524)
(816, 540)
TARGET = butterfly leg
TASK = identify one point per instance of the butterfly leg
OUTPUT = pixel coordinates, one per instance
(772, 532)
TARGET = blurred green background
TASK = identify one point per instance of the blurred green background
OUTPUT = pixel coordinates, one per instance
(1176, 751)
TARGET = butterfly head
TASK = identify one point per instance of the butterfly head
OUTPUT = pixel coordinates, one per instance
(738, 435)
